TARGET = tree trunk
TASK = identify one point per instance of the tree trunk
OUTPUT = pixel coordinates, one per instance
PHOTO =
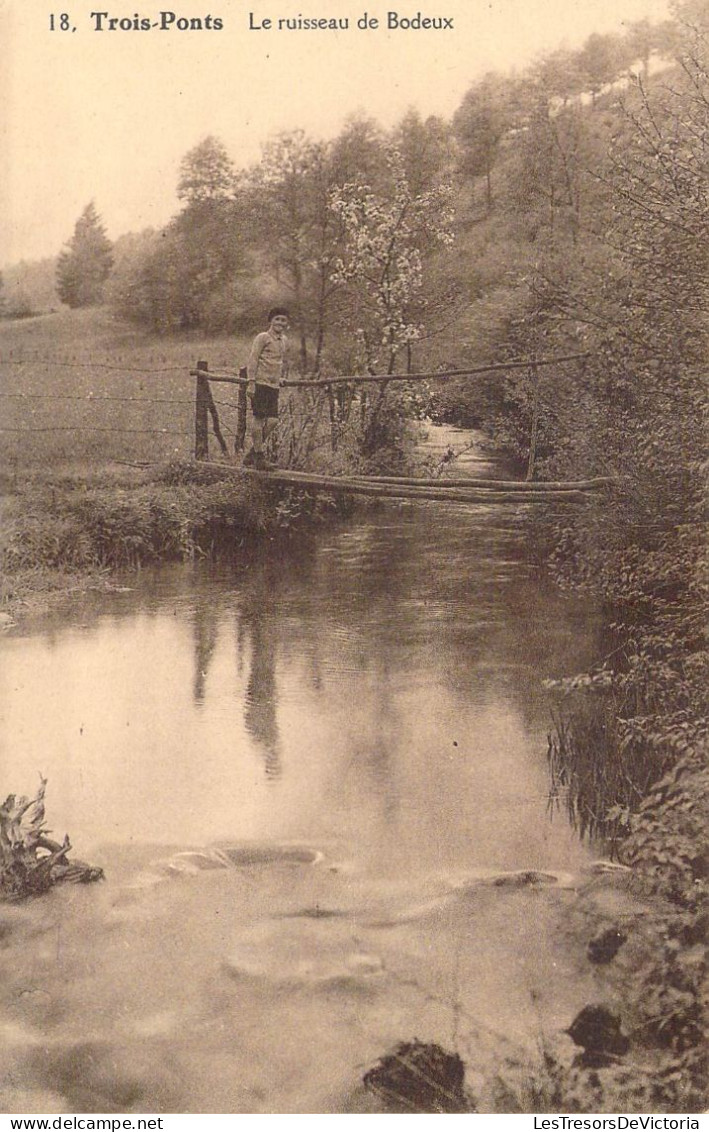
(320, 332)
(332, 408)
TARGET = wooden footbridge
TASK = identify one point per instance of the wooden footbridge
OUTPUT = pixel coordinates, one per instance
(446, 489)
(442, 490)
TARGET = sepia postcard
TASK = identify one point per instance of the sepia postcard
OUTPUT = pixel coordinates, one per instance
(352, 609)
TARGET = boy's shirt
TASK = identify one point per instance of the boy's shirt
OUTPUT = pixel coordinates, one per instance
(267, 361)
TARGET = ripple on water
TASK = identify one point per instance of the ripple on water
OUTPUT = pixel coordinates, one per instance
(319, 950)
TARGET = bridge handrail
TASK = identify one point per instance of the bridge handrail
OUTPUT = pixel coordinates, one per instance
(321, 382)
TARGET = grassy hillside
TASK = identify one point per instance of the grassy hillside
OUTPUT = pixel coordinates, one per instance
(83, 386)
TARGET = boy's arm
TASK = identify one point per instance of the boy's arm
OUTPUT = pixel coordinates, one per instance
(252, 364)
(285, 368)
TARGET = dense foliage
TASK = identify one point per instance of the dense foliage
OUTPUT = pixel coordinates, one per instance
(644, 420)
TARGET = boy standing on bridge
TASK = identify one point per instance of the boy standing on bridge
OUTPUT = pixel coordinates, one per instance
(266, 368)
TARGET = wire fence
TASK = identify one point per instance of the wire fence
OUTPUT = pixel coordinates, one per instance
(91, 398)
(26, 359)
(58, 408)
(37, 423)
(160, 421)
(95, 428)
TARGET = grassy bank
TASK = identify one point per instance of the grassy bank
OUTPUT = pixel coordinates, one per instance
(64, 532)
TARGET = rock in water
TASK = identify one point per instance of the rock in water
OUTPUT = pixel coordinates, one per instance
(598, 1031)
(606, 945)
(267, 854)
(420, 1078)
(523, 878)
(320, 950)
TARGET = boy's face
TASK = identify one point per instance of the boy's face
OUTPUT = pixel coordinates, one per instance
(279, 324)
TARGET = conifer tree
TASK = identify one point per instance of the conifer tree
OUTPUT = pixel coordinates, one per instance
(85, 262)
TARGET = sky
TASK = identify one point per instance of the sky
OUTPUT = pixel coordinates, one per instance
(108, 115)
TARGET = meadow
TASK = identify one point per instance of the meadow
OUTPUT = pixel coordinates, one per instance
(83, 387)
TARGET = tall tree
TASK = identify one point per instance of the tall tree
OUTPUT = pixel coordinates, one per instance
(382, 268)
(556, 76)
(601, 60)
(203, 246)
(289, 196)
(85, 262)
(206, 173)
(426, 150)
(488, 110)
(187, 275)
(358, 153)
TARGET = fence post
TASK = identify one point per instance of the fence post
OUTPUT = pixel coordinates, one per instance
(215, 420)
(201, 429)
(240, 434)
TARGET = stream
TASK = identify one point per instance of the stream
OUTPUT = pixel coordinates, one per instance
(316, 780)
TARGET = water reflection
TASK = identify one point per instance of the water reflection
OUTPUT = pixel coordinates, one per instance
(261, 698)
(256, 648)
(205, 624)
(381, 687)
(375, 696)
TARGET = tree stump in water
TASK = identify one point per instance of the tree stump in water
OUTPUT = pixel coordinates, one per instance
(30, 862)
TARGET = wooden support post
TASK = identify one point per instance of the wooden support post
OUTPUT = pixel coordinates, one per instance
(201, 426)
(535, 424)
(241, 409)
(215, 420)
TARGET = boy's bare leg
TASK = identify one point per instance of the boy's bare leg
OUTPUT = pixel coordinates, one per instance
(261, 429)
(269, 427)
(258, 434)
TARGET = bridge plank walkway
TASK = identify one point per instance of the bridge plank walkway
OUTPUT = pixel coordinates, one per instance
(438, 490)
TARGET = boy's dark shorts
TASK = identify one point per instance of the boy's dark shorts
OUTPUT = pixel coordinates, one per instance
(264, 402)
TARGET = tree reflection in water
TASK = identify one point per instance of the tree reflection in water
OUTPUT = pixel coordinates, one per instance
(256, 636)
(261, 701)
(205, 624)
